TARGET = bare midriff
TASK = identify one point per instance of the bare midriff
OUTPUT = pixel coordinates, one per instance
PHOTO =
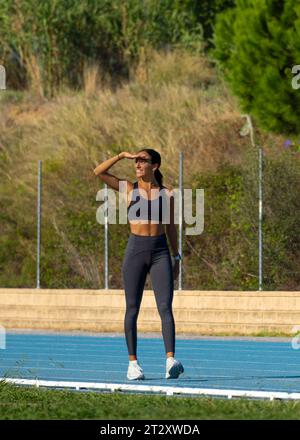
(146, 227)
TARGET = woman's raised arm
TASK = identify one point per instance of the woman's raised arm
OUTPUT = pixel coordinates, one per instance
(110, 179)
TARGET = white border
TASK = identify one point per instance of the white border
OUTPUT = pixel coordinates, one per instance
(168, 390)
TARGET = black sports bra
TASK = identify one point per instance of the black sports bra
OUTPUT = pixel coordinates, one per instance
(149, 211)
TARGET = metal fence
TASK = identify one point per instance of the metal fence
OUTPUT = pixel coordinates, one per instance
(247, 129)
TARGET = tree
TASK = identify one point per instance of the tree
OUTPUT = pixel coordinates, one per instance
(256, 45)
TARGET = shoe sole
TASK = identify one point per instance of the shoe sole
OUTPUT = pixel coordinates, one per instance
(175, 371)
(141, 377)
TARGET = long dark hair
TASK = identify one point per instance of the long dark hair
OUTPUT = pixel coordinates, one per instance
(155, 157)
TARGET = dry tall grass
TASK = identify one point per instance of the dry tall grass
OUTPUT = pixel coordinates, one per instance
(181, 106)
(175, 103)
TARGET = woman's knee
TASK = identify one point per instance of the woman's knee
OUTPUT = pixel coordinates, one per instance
(132, 311)
(165, 311)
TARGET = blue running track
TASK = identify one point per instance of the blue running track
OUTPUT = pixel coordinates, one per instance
(222, 364)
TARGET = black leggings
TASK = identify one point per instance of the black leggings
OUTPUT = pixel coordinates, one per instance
(148, 254)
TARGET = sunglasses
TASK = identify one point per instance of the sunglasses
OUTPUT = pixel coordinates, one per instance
(142, 160)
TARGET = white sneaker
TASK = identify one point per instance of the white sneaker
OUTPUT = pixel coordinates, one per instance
(173, 368)
(135, 371)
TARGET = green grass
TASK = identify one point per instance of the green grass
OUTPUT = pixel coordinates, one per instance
(33, 403)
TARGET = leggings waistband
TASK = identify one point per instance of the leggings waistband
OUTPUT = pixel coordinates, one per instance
(147, 241)
(152, 237)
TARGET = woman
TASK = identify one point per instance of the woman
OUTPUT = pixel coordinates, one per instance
(147, 252)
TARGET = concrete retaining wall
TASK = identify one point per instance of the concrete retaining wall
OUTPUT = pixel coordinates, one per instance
(195, 312)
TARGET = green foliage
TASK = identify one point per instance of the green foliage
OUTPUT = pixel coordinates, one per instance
(51, 47)
(224, 256)
(223, 194)
(257, 44)
(282, 244)
(206, 12)
(226, 253)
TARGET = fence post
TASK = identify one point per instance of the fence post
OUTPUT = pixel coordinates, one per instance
(106, 238)
(39, 208)
(180, 217)
(260, 219)
(2, 78)
(245, 131)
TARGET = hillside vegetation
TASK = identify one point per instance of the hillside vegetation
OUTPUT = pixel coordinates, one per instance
(174, 102)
